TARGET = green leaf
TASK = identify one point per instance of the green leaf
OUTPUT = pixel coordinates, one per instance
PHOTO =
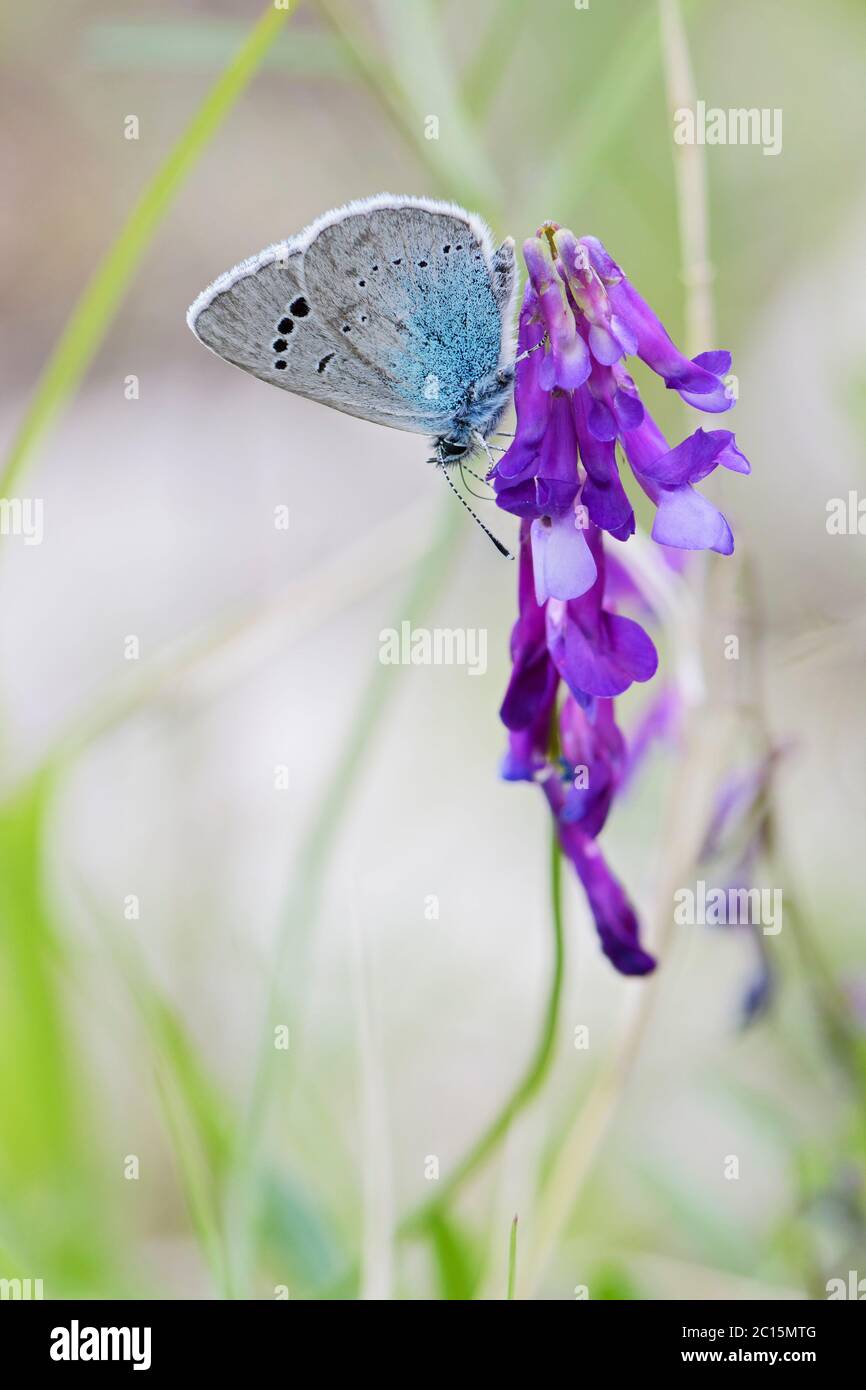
(458, 1262)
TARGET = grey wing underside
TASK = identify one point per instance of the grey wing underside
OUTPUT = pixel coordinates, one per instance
(351, 326)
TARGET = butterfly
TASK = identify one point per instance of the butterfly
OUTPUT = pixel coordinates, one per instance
(394, 309)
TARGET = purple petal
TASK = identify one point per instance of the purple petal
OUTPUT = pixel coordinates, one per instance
(714, 401)
(601, 260)
(687, 520)
(568, 364)
(526, 692)
(691, 460)
(609, 507)
(629, 410)
(562, 560)
(600, 421)
(718, 362)
(615, 918)
(624, 335)
(604, 346)
(531, 403)
(733, 458)
(604, 662)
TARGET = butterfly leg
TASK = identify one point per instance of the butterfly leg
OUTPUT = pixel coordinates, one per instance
(529, 351)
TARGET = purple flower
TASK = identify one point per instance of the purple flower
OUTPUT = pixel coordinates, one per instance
(597, 652)
(576, 752)
(572, 652)
(615, 918)
(566, 364)
(699, 381)
(576, 404)
(533, 677)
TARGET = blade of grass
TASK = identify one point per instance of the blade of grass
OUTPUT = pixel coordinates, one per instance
(457, 165)
(512, 1260)
(427, 76)
(98, 304)
(606, 111)
(198, 1121)
(483, 74)
(49, 1157)
(203, 46)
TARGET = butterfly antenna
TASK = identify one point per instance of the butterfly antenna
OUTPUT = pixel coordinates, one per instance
(477, 519)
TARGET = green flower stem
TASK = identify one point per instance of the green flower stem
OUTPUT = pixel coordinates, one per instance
(531, 1082)
(92, 315)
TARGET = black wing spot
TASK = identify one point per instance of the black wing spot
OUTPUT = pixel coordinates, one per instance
(458, 248)
(363, 318)
(299, 307)
(280, 364)
(398, 261)
(324, 362)
(285, 326)
(422, 264)
(347, 328)
(375, 267)
(447, 248)
(279, 345)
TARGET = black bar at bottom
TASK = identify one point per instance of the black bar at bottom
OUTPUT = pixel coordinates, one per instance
(154, 1337)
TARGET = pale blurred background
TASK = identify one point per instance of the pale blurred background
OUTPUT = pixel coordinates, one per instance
(124, 1038)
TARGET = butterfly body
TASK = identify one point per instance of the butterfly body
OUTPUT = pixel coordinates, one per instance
(396, 310)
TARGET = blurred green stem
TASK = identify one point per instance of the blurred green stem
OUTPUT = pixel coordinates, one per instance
(95, 310)
(512, 1260)
(531, 1082)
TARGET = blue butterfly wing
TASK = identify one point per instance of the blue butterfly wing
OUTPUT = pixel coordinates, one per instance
(390, 310)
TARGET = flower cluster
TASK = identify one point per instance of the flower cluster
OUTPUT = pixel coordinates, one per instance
(575, 403)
